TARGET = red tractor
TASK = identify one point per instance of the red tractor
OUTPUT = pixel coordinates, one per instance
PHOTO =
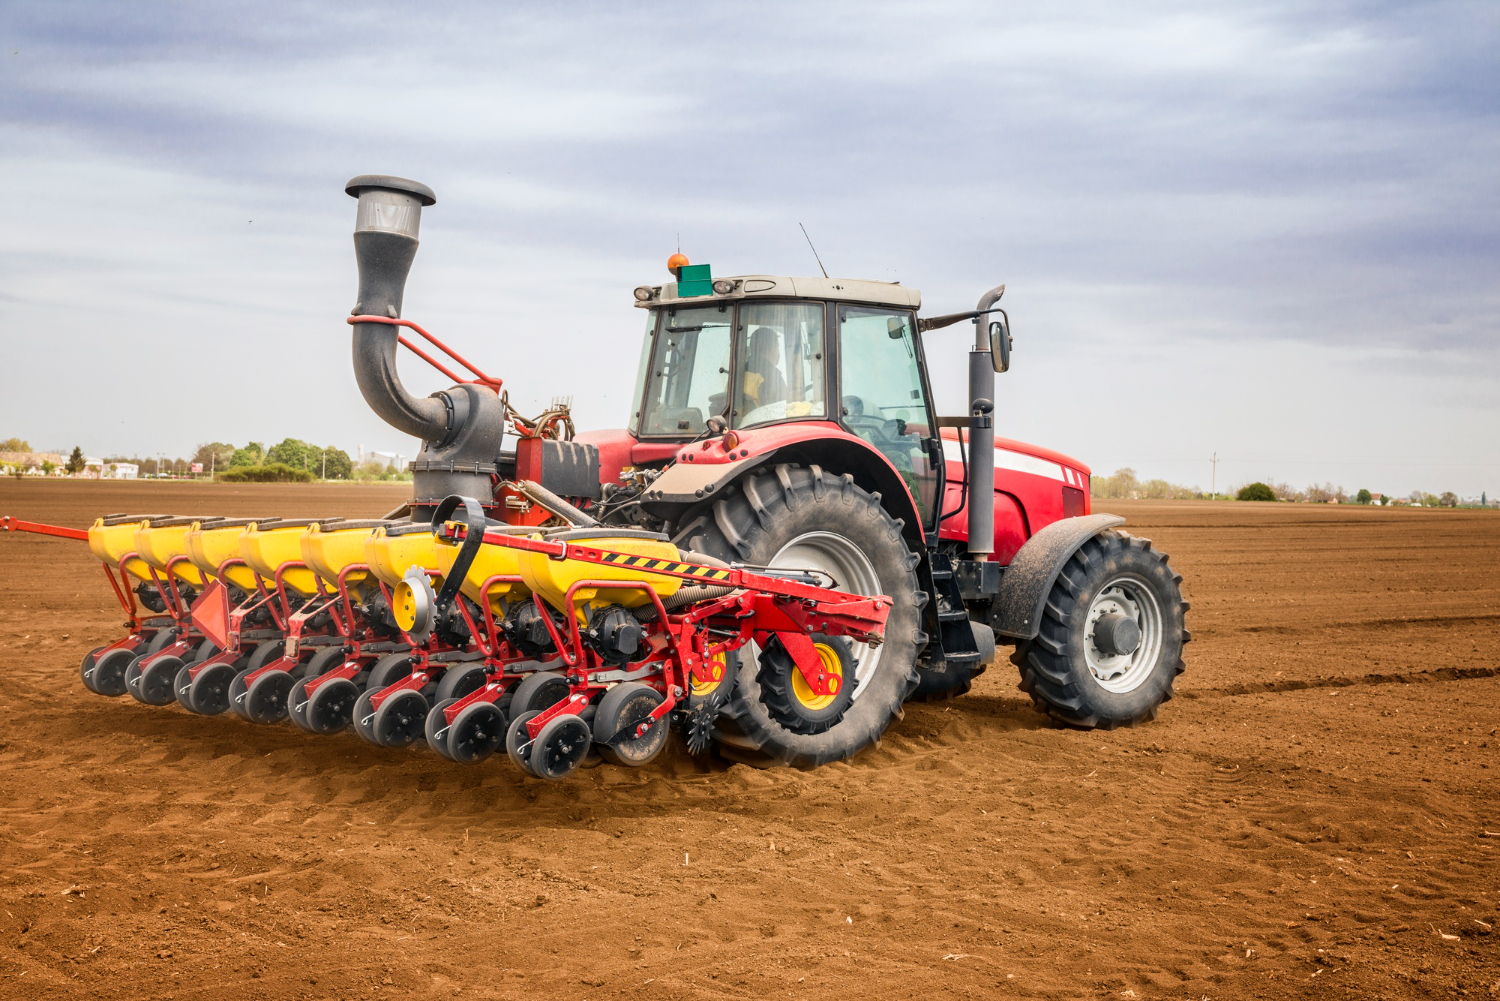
(789, 423)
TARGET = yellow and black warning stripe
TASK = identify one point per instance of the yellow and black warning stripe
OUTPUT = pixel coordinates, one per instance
(648, 563)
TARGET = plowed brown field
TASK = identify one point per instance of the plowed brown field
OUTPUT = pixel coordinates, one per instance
(1315, 815)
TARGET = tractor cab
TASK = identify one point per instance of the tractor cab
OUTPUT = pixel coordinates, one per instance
(757, 351)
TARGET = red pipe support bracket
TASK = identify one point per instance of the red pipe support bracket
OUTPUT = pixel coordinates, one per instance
(10, 524)
(481, 379)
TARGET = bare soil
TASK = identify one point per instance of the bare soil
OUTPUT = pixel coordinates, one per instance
(1315, 815)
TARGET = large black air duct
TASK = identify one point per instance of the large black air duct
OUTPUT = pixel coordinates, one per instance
(460, 427)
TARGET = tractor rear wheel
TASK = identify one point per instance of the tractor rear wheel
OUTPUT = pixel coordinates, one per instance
(1110, 645)
(803, 517)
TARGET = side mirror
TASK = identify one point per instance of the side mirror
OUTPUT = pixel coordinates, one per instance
(1000, 342)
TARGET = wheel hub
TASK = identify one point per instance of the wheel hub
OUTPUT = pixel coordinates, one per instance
(1123, 635)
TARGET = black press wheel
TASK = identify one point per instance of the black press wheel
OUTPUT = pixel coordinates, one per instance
(561, 747)
(296, 705)
(203, 651)
(155, 681)
(539, 691)
(476, 733)
(388, 670)
(623, 708)
(133, 676)
(163, 639)
(321, 663)
(331, 707)
(460, 680)
(181, 685)
(401, 718)
(108, 677)
(208, 693)
(363, 720)
(518, 743)
(795, 516)
(86, 668)
(437, 729)
(1110, 645)
(266, 697)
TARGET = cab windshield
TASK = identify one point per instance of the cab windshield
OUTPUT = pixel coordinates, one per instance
(686, 375)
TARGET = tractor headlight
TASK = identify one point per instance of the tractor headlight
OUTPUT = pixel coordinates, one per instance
(645, 293)
(724, 286)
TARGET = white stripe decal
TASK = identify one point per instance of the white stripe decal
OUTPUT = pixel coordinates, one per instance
(1017, 461)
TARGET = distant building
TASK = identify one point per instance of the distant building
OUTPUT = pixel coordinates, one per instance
(31, 462)
(101, 470)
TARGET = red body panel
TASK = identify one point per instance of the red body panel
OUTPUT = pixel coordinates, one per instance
(1030, 481)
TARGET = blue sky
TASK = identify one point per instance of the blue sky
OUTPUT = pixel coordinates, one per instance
(1266, 230)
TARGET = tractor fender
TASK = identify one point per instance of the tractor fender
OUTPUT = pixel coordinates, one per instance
(1028, 580)
(702, 471)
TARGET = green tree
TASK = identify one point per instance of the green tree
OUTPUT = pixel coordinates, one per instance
(296, 454)
(75, 461)
(1255, 492)
(251, 455)
(1448, 499)
(335, 464)
(47, 467)
(15, 445)
(214, 455)
(1363, 497)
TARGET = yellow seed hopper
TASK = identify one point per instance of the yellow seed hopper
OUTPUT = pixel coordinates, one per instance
(490, 561)
(113, 537)
(163, 543)
(210, 543)
(278, 544)
(399, 546)
(551, 578)
(332, 550)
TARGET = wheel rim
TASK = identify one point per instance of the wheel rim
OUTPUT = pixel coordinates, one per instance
(718, 665)
(1124, 672)
(853, 571)
(833, 666)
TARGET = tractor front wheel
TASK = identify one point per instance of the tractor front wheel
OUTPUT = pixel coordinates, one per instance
(1110, 645)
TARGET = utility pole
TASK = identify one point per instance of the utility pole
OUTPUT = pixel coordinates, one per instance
(1213, 489)
(325, 464)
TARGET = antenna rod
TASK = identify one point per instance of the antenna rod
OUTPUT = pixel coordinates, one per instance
(814, 250)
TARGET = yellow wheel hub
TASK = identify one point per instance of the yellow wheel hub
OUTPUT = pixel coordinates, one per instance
(716, 668)
(833, 666)
(404, 606)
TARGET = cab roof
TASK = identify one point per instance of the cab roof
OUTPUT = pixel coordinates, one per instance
(782, 287)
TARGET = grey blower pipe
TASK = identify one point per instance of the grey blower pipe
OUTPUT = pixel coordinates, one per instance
(461, 427)
(385, 244)
(982, 432)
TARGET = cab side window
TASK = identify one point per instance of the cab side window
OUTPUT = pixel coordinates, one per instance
(882, 399)
(779, 363)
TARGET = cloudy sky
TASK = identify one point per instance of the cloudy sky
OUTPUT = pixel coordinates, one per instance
(1263, 230)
